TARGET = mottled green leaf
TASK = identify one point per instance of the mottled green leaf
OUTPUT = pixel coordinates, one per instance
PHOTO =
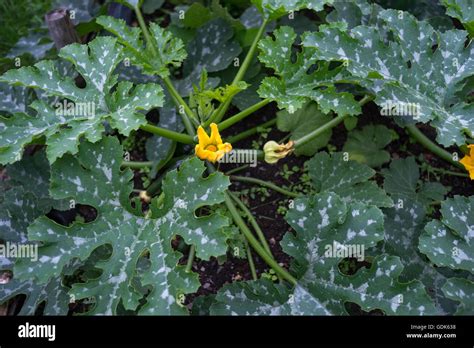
(406, 69)
(170, 50)
(27, 198)
(403, 226)
(273, 9)
(53, 293)
(303, 79)
(212, 48)
(461, 290)
(84, 110)
(185, 192)
(328, 230)
(263, 297)
(349, 179)
(449, 241)
(94, 178)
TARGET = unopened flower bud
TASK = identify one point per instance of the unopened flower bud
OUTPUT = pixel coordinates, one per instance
(274, 151)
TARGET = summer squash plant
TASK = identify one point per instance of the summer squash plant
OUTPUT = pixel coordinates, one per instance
(417, 237)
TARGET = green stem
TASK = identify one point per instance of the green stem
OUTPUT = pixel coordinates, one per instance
(136, 165)
(447, 172)
(179, 137)
(248, 58)
(250, 132)
(331, 124)
(243, 114)
(237, 169)
(220, 112)
(189, 263)
(253, 271)
(253, 222)
(317, 132)
(254, 243)
(179, 101)
(169, 85)
(145, 31)
(265, 184)
(431, 146)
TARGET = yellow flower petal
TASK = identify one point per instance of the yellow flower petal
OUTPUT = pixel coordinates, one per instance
(471, 148)
(211, 148)
(468, 162)
(215, 136)
(203, 137)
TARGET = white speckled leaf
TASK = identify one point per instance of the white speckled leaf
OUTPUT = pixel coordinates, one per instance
(273, 9)
(450, 241)
(461, 290)
(262, 297)
(25, 199)
(95, 62)
(94, 178)
(299, 81)
(126, 101)
(12, 99)
(430, 79)
(170, 49)
(325, 221)
(33, 44)
(213, 48)
(353, 13)
(349, 179)
(403, 226)
(185, 192)
(53, 293)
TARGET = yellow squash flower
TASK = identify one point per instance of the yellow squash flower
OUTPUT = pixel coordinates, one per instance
(211, 148)
(468, 161)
